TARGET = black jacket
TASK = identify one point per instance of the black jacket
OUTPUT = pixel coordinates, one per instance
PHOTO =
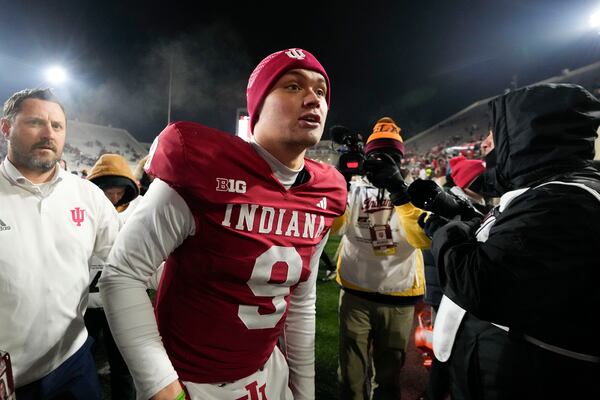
(539, 270)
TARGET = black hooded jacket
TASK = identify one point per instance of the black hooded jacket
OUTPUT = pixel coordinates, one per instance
(539, 270)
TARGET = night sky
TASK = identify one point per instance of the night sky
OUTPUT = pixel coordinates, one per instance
(417, 62)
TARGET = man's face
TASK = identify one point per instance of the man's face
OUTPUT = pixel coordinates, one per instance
(487, 144)
(114, 193)
(36, 135)
(293, 113)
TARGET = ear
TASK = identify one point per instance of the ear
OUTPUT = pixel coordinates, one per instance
(5, 126)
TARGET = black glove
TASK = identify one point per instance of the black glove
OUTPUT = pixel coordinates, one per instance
(384, 173)
(431, 223)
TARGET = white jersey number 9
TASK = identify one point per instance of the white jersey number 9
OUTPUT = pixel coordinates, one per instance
(261, 287)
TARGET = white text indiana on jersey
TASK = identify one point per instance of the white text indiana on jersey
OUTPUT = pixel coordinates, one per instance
(274, 221)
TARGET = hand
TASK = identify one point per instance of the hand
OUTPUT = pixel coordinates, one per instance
(384, 173)
(431, 223)
(170, 392)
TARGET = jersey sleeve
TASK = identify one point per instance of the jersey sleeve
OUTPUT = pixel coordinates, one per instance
(167, 157)
(184, 153)
(299, 332)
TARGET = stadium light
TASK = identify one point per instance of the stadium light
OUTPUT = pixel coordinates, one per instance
(56, 75)
(594, 20)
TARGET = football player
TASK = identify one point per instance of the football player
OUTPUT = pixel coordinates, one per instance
(241, 226)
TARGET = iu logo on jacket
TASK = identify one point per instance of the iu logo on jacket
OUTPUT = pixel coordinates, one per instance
(77, 215)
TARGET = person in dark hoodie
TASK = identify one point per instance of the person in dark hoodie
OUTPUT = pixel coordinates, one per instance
(112, 174)
(514, 321)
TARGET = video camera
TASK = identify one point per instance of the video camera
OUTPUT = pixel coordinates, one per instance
(429, 196)
(352, 158)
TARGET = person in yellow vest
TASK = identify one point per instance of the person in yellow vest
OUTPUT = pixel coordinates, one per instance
(380, 271)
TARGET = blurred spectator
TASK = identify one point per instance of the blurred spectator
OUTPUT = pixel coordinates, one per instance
(112, 174)
(144, 179)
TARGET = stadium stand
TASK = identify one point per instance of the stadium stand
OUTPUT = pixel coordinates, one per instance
(323, 152)
(470, 125)
(86, 142)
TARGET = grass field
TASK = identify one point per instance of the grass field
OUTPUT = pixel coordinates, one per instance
(326, 351)
(326, 348)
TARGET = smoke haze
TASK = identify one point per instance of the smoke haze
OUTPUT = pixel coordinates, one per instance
(209, 73)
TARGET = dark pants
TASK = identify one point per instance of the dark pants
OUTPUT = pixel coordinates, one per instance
(371, 334)
(74, 379)
(438, 383)
(121, 383)
(488, 364)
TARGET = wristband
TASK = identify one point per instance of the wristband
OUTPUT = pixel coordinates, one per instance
(181, 395)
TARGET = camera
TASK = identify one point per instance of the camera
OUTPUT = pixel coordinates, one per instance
(428, 196)
(352, 158)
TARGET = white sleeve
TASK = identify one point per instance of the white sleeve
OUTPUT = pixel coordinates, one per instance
(160, 223)
(154, 280)
(108, 227)
(299, 332)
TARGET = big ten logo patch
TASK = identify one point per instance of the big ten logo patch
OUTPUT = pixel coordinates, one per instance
(231, 185)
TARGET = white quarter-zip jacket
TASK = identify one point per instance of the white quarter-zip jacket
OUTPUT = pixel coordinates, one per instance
(48, 234)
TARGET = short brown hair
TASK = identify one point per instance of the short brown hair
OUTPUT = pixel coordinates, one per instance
(12, 106)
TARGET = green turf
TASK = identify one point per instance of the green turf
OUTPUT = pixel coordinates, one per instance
(326, 347)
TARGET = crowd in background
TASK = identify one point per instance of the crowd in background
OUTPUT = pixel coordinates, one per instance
(434, 163)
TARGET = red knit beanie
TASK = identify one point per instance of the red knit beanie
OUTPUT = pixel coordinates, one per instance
(272, 68)
(385, 134)
(464, 171)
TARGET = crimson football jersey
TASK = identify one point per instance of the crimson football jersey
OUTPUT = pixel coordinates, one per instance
(223, 298)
